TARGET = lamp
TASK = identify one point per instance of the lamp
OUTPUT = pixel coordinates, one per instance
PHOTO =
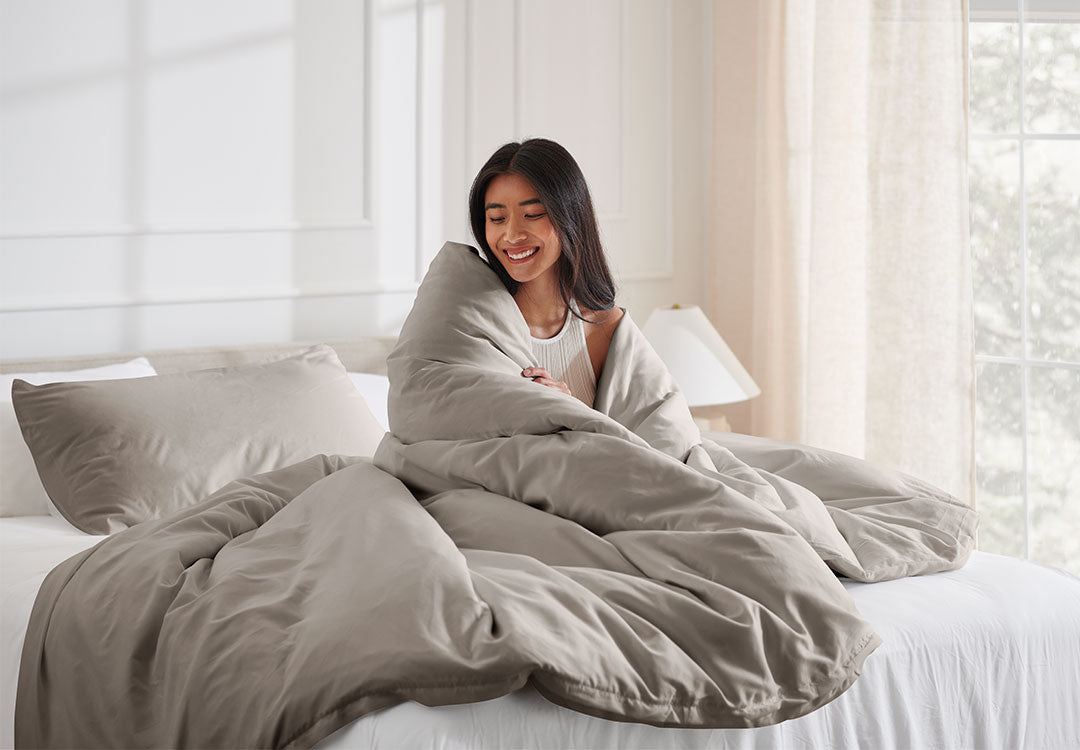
(698, 358)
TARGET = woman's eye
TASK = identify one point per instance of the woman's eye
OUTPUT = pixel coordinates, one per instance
(534, 216)
(495, 219)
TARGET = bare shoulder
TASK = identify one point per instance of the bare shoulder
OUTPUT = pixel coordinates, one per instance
(606, 320)
(611, 320)
(598, 337)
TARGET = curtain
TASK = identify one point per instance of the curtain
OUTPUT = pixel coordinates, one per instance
(839, 268)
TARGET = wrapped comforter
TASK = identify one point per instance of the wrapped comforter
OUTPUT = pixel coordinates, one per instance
(503, 533)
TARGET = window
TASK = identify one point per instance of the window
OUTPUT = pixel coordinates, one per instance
(1024, 155)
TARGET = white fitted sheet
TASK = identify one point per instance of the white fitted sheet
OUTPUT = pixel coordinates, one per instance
(30, 546)
(984, 657)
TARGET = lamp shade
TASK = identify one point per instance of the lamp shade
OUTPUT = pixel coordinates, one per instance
(697, 357)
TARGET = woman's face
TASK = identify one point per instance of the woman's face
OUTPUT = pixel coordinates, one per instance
(519, 231)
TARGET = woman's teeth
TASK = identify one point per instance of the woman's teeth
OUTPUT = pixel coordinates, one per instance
(521, 255)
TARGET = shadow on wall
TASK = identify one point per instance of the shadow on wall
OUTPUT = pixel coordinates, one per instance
(172, 179)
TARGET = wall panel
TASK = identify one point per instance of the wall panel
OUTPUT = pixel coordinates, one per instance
(217, 135)
(331, 133)
(569, 80)
(64, 156)
(642, 232)
(177, 173)
(395, 76)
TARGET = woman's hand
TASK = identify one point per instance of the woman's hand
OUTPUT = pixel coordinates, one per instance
(543, 377)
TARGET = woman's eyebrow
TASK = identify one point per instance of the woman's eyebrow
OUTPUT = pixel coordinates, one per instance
(529, 202)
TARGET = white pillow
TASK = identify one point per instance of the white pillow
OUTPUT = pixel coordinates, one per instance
(375, 389)
(21, 492)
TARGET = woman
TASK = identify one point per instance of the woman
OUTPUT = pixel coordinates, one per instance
(532, 215)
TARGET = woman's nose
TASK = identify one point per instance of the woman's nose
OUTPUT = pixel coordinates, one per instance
(514, 229)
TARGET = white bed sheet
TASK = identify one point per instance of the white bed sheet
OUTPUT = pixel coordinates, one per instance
(30, 546)
(984, 657)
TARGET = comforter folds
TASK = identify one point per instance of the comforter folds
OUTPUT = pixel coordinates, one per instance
(504, 533)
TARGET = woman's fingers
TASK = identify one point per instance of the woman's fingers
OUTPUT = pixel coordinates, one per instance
(556, 384)
(543, 377)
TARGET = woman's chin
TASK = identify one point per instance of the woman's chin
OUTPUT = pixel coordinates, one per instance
(530, 270)
(520, 274)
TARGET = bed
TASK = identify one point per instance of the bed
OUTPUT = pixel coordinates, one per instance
(984, 656)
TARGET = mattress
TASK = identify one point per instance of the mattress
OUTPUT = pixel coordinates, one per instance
(983, 657)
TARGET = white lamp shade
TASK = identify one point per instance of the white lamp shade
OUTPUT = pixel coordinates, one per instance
(697, 357)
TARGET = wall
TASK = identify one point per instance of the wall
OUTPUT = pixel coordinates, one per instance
(180, 173)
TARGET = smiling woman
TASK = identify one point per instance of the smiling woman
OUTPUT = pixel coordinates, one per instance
(519, 227)
(532, 215)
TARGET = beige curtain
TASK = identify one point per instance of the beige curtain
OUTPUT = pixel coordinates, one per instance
(839, 264)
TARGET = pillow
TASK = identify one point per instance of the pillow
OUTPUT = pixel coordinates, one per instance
(376, 390)
(114, 453)
(21, 493)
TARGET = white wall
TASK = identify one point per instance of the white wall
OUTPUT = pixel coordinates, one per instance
(198, 172)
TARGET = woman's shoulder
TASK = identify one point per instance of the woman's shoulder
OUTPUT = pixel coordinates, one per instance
(598, 337)
(606, 320)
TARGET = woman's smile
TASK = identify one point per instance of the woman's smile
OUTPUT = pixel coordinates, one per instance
(521, 254)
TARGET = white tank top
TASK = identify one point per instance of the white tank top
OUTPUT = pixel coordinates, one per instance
(566, 356)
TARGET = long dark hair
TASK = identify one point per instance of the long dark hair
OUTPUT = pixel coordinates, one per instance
(561, 187)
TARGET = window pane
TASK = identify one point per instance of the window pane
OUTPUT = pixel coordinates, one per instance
(1063, 7)
(993, 8)
(1052, 77)
(995, 77)
(999, 459)
(1054, 466)
(995, 245)
(1052, 173)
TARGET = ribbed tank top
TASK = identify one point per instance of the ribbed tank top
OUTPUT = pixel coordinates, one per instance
(566, 356)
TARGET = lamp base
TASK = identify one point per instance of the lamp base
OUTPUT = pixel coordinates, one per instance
(716, 423)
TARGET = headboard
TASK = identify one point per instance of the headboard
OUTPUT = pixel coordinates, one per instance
(358, 355)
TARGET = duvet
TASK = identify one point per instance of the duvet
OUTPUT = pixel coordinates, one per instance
(503, 533)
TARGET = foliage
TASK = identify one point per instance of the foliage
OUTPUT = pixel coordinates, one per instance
(1052, 188)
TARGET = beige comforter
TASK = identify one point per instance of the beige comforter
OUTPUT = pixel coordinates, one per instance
(626, 567)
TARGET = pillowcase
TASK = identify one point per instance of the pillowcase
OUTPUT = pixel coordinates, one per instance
(21, 492)
(115, 453)
(376, 390)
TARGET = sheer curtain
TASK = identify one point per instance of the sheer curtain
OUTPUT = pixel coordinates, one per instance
(839, 262)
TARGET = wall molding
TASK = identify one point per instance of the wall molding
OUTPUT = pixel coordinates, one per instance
(367, 204)
(669, 147)
(624, 148)
(418, 141)
(515, 25)
(645, 190)
(645, 276)
(619, 215)
(468, 92)
(136, 230)
(666, 271)
(207, 297)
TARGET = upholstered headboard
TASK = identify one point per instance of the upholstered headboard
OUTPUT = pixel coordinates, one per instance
(358, 355)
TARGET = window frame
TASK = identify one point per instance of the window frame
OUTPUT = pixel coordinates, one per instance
(1015, 11)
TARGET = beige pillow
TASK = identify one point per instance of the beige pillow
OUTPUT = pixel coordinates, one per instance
(21, 493)
(113, 453)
